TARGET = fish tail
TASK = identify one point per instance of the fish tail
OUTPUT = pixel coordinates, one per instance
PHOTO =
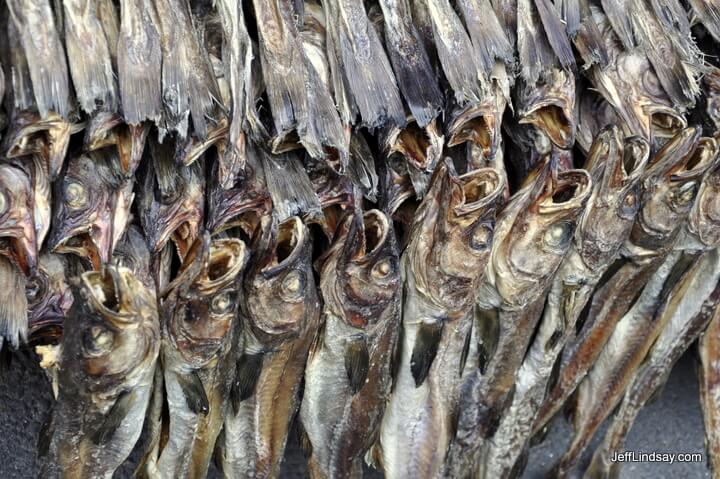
(89, 57)
(13, 304)
(588, 39)
(617, 13)
(556, 34)
(487, 34)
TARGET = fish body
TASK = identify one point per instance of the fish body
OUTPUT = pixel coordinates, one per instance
(281, 315)
(709, 348)
(670, 185)
(110, 346)
(348, 373)
(616, 168)
(510, 299)
(450, 243)
(200, 315)
(685, 313)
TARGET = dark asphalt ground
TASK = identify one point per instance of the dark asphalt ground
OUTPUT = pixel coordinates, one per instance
(673, 423)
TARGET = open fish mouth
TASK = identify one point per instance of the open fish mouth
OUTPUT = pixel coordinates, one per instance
(420, 146)
(552, 118)
(92, 244)
(476, 125)
(666, 123)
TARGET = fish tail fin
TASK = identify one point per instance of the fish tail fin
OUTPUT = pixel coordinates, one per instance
(487, 34)
(13, 304)
(89, 57)
(618, 15)
(588, 39)
(556, 34)
(370, 76)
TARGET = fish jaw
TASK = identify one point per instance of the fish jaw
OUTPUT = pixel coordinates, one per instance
(479, 124)
(420, 146)
(49, 299)
(18, 240)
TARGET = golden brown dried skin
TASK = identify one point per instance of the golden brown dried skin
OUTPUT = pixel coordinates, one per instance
(532, 237)
(200, 314)
(669, 187)
(348, 373)
(282, 316)
(685, 314)
(616, 169)
(451, 239)
(109, 349)
(710, 386)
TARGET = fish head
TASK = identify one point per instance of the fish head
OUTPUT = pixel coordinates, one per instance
(453, 233)
(132, 253)
(336, 193)
(421, 147)
(280, 288)
(240, 206)
(189, 151)
(172, 202)
(49, 298)
(18, 240)
(201, 304)
(617, 167)
(112, 331)
(479, 124)
(670, 186)
(106, 129)
(704, 219)
(84, 208)
(361, 270)
(549, 105)
(526, 256)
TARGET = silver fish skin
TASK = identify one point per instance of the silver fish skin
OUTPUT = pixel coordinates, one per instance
(410, 61)
(450, 243)
(110, 346)
(200, 323)
(670, 185)
(360, 67)
(690, 308)
(296, 108)
(510, 300)
(89, 56)
(644, 107)
(45, 53)
(189, 89)
(348, 373)
(616, 168)
(281, 314)
(709, 379)
(140, 62)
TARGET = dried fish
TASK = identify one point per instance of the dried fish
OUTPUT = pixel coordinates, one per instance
(109, 349)
(49, 299)
(616, 168)
(348, 374)
(450, 243)
(532, 237)
(709, 383)
(18, 236)
(282, 314)
(200, 322)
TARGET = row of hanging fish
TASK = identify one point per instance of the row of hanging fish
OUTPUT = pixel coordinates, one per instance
(410, 231)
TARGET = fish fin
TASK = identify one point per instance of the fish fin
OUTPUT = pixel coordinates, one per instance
(488, 326)
(194, 392)
(304, 440)
(361, 167)
(425, 349)
(587, 38)
(487, 34)
(247, 374)
(357, 363)
(13, 305)
(289, 186)
(617, 13)
(114, 418)
(556, 34)
(45, 436)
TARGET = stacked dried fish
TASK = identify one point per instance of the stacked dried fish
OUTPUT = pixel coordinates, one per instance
(411, 230)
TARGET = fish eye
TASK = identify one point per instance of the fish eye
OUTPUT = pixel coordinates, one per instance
(221, 303)
(75, 195)
(558, 236)
(293, 284)
(4, 203)
(629, 205)
(382, 269)
(481, 237)
(97, 341)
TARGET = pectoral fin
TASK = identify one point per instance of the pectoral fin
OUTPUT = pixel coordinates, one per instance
(114, 418)
(194, 392)
(425, 349)
(246, 377)
(357, 363)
